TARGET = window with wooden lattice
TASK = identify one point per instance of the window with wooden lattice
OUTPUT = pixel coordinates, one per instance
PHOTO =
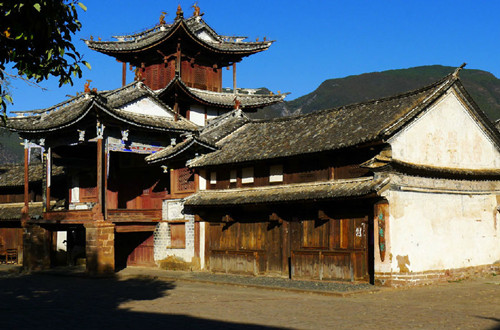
(185, 180)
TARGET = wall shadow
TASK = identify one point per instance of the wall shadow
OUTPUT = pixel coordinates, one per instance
(64, 302)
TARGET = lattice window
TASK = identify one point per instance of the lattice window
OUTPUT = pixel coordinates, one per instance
(185, 180)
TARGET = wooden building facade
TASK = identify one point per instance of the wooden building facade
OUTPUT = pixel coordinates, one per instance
(343, 194)
(113, 202)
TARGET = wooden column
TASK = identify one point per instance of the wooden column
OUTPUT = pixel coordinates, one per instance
(178, 60)
(48, 175)
(106, 174)
(25, 209)
(234, 78)
(100, 167)
(124, 74)
(45, 207)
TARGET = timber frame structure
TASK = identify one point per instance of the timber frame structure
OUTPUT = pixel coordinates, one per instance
(170, 170)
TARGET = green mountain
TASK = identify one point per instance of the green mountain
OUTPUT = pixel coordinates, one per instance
(483, 86)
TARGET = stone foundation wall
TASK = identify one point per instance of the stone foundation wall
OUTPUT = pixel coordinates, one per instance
(173, 210)
(434, 276)
(100, 247)
(36, 248)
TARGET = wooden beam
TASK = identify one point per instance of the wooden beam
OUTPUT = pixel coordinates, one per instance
(134, 228)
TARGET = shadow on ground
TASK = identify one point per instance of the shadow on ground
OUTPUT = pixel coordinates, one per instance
(60, 302)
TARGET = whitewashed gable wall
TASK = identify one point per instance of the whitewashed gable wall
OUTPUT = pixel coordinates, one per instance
(446, 135)
(146, 106)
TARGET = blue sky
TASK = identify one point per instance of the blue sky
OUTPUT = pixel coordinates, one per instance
(315, 40)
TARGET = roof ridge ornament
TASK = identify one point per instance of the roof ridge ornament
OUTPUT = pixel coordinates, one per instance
(179, 13)
(162, 18)
(196, 12)
(457, 70)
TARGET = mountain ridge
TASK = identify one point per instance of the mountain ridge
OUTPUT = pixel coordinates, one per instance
(483, 86)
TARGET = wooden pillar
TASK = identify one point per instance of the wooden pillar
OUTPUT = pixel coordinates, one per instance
(48, 175)
(178, 60)
(124, 74)
(234, 77)
(45, 206)
(106, 174)
(25, 209)
(100, 166)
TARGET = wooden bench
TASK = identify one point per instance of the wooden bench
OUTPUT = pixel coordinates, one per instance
(11, 256)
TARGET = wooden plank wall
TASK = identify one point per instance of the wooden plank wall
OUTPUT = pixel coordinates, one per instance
(321, 249)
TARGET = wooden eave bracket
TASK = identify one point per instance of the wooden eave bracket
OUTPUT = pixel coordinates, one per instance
(227, 218)
(274, 217)
(323, 216)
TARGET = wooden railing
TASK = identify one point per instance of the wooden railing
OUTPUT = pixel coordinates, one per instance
(124, 215)
(116, 215)
(68, 215)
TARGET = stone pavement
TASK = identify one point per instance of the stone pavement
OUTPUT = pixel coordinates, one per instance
(274, 283)
(139, 298)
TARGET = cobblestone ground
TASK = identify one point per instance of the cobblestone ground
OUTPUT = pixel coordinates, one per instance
(69, 302)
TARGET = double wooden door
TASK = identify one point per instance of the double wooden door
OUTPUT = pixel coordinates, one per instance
(332, 249)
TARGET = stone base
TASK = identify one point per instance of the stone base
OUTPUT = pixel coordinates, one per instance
(100, 247)
(36, 248)
(175, 263)
(434, 276)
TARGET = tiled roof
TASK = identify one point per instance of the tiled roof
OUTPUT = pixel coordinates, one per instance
(172, 151)
(217, 128)
(12, 211)
(13, 175)
(160, 33)
(75, 109)
(227, 99)
(221, 99)
(330, 129)
(337, 189)
(223, 125)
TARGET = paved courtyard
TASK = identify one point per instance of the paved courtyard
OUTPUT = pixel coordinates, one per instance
(74, 302)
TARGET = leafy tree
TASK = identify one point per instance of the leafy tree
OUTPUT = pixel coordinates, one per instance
(35, 38)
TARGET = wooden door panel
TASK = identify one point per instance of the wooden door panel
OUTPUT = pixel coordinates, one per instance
(337, 266)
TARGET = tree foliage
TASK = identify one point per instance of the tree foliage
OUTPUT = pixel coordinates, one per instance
(35, 39)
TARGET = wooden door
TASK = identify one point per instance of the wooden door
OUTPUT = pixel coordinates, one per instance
(245, 248)
(331, 249)
(142, 254)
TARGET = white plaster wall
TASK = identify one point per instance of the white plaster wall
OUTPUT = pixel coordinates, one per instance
(202, 180)
(173, 210)
(197, 115)
(211, 113)
(61, 244)
(442, 231)
(446, 135)
(146, 106)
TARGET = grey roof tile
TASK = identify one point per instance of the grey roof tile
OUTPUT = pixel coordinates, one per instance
(337, 189)
(323, 130)
(160, 33)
